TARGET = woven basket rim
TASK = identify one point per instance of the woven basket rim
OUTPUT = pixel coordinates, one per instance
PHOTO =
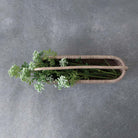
(122, 66)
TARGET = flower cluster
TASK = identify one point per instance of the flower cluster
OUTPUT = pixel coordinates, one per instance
(14, 71)
(39, 86)
(25, 75)
(32, 65)
(63, 62)
(62, 82)
(36, 56)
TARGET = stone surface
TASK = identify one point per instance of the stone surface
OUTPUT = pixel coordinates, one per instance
(104, 27)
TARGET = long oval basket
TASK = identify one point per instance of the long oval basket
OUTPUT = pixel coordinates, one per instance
(116, 63)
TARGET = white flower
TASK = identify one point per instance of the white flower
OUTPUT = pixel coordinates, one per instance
(63, 62)
(62, 82)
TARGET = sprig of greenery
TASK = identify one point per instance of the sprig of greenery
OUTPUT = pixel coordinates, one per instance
(14, 71)
(63, 62)
(32, 65)
(26, 75)
(36, 56)
(47, 53)
(62, 82)
(39, 86)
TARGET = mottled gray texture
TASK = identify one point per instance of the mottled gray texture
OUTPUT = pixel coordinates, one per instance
(69, 27)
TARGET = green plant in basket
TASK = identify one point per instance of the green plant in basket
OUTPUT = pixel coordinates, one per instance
(59, 78)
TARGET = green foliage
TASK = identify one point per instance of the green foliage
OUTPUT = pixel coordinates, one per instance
(48, 53)
(62, 82)
(36, 57)
(25, 65)
(14, 71)
(63, 62)
(51, 62)
(26, 75)
(73, 77)
(32, 65)
(60, 78)
(39, 86)
(49, 79)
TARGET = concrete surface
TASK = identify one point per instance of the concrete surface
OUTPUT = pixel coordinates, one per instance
(106, 27)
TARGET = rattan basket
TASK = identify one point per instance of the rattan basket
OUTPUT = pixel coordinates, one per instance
(116, 63)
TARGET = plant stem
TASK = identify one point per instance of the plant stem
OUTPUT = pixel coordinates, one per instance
(81, 74)
(109, 65)
(106, 72)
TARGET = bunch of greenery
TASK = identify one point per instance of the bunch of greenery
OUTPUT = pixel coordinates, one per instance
(60, 78)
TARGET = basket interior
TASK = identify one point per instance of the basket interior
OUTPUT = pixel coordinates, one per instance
(102, 62)
(99, 62)
(94, 62)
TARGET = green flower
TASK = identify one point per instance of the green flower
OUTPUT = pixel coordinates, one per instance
(36, 56)
(32, 65)
(14, 71)
(62, 82)
(63, 62)
(39, 86)
(25, 75)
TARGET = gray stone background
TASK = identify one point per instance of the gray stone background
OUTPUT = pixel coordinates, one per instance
(105, 27)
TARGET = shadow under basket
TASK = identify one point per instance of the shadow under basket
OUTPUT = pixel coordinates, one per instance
(94, 62)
